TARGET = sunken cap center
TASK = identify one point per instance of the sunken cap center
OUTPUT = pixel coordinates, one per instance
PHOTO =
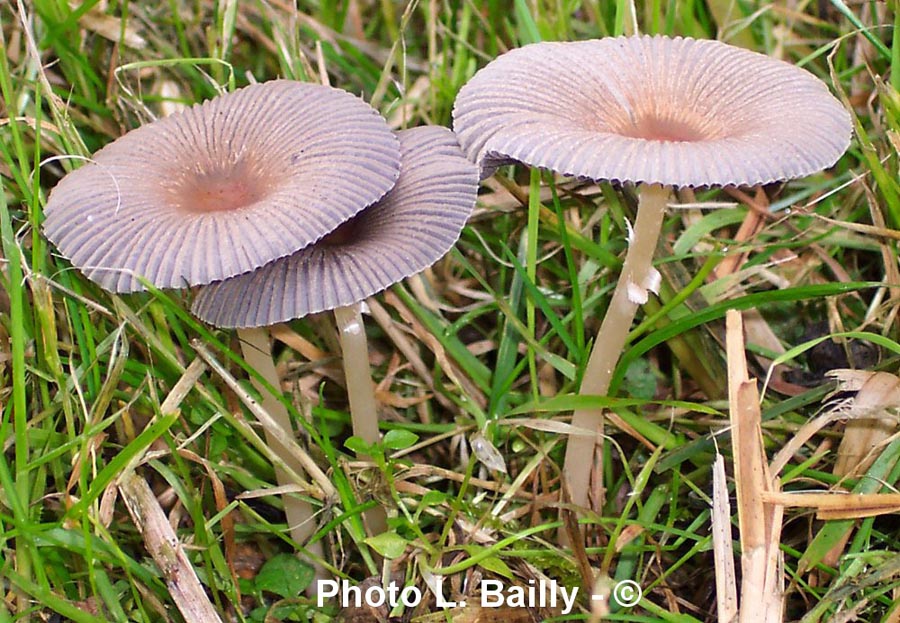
(222, 189)
(652, 128)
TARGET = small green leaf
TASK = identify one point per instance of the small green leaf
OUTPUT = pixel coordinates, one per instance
(399, 439)
(433, 498)
(491, 563)
(389, 544)
(358, 446)
(285, 575)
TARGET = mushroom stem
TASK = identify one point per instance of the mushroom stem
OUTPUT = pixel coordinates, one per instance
(611, 339)
(355, 349)
(358, 374)
(257, 351)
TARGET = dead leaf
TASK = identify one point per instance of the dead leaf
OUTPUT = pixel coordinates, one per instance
(112, 28)
(872, 413)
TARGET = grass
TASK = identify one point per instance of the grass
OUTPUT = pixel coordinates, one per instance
(493, 339)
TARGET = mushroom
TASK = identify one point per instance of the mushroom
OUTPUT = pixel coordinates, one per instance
(412, 227)
(658, 112)
(221, 189)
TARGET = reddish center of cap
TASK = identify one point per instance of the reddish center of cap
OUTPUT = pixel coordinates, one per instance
(670, 130)
(230, 188)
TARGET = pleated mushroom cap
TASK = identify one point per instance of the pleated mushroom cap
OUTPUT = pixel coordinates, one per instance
(224, 187)
(415, 224)
(673, 111)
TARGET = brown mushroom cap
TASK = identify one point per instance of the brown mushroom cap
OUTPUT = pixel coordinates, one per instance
(672, 111)
(224, 187)
(415, 224)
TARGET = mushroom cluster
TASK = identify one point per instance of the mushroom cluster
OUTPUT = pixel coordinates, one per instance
(414, 224)
(654, 111)
(279, 200)
(224, 187)
(297, 195)
(409, 229)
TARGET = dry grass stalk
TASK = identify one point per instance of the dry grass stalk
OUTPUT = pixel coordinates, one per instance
(257, 350)
(831, 506)
(271, 428)
(762, 591)
(459, 379)
(168, 554)
(752, 225)
(176, 395)
(407, 347)
(726, 583)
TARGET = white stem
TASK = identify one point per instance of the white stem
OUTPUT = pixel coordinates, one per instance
(360, 390)
(355, 349)
(257, 350)
(610, 342)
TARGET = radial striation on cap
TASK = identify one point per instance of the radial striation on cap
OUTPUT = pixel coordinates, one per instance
(224, 187)
(415, 224)
(674, 111)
